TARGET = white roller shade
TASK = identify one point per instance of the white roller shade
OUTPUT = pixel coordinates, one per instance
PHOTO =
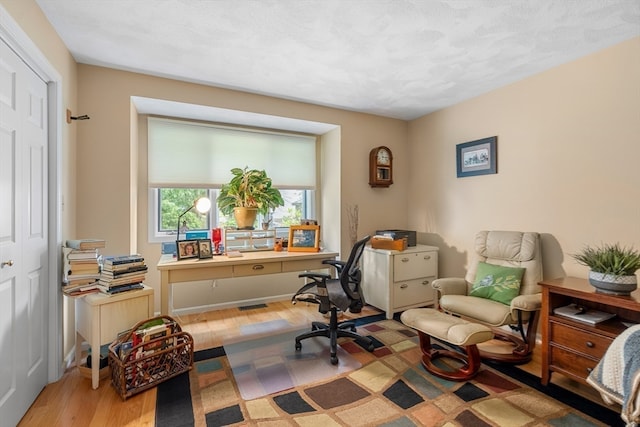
(184, 154)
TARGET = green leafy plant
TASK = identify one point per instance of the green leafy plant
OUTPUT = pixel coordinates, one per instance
(609, 259)
(249, 188)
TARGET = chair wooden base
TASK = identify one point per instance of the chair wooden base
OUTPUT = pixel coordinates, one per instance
(519, 354)
(522, 347)
(470, 361)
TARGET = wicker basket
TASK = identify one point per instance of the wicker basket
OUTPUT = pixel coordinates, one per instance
(146, 364)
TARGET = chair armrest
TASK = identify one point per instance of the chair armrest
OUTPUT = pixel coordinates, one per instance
(338, 264)
(450, 286)
(532, 302)
(317, 277)
(320, 296)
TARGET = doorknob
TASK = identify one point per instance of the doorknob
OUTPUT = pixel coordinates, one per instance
(7, 263)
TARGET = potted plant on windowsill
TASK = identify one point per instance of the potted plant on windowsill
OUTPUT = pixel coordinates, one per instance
(612, 267)
(249, 192)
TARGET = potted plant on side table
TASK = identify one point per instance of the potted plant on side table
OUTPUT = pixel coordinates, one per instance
(249, 192)
(612, 267)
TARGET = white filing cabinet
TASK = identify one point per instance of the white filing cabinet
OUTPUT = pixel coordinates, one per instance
(394, 281)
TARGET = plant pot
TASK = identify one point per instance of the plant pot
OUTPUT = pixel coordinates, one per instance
(614, 285)
(245, 217)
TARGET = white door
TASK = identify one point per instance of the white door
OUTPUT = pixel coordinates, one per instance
(23, 236)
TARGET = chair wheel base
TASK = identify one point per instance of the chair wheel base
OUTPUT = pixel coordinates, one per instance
(334, 330)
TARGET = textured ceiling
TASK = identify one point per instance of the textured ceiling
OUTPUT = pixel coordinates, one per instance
(395, 58)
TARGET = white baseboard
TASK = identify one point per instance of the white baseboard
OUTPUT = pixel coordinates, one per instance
(69, 358)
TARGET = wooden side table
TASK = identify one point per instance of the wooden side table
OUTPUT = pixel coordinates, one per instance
(573, 348)
(100, 317)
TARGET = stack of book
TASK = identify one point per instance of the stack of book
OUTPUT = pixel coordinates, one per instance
(81, 266)
(122, 273)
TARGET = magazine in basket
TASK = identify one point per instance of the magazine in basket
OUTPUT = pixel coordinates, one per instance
(151, 352)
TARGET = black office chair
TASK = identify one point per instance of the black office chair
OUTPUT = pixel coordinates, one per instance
(331, 295)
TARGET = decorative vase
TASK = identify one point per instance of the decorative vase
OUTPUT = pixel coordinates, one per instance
(611, 284)
(245, 217)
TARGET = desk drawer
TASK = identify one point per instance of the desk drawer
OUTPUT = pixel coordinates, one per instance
(304, 265)
(585, 342)
(413, 292)
(195, 274)
(407, 266)
(257, 269)
(573, 363)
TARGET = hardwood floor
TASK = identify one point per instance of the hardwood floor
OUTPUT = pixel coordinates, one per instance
(72, 402)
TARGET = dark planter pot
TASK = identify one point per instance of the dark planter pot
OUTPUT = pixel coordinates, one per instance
(613, 285)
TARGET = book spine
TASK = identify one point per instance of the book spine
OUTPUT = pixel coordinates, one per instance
(121, 273)
(84, 244)
(120, 261)
(124, 267)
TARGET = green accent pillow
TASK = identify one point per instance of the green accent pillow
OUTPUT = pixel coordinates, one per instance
(497, 283)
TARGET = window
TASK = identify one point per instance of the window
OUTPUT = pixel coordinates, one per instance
(189, 160)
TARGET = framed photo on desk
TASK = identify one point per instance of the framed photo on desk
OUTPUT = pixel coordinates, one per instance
(204, 249)
(304, 238)
(187, 249)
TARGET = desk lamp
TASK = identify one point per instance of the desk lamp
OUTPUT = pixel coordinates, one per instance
(202, 205)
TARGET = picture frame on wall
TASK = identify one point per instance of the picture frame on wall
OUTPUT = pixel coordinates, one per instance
(304, 238)
(205, 249)
(477, 157)
(188, 249)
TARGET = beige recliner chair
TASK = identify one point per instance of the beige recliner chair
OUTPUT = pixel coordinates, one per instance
(508, 249)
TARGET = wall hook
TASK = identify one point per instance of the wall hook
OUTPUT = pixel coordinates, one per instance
(70, 117)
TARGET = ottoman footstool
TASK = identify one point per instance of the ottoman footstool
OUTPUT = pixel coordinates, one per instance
(450, 329)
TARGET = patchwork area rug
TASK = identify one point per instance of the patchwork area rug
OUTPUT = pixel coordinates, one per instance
(389, 389)
(268, 364)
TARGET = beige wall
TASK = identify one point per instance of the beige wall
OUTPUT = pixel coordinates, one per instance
(106, 183)
(568, 150)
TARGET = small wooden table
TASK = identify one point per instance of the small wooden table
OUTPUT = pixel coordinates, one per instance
(573, 348)
(222, 267)
(100, 317)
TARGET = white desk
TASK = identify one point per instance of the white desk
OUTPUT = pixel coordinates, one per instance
(222, 267)
(100, 317)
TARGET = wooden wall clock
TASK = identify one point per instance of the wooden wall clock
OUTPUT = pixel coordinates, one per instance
(380, 167)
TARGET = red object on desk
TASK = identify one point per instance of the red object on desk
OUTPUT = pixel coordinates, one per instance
(216, 238)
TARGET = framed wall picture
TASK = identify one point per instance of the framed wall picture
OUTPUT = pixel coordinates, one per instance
(304, 238)
(188, 249)
(204, 249)
(477, 157)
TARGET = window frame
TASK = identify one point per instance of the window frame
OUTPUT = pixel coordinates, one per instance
(311, 201)
(155, 235)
